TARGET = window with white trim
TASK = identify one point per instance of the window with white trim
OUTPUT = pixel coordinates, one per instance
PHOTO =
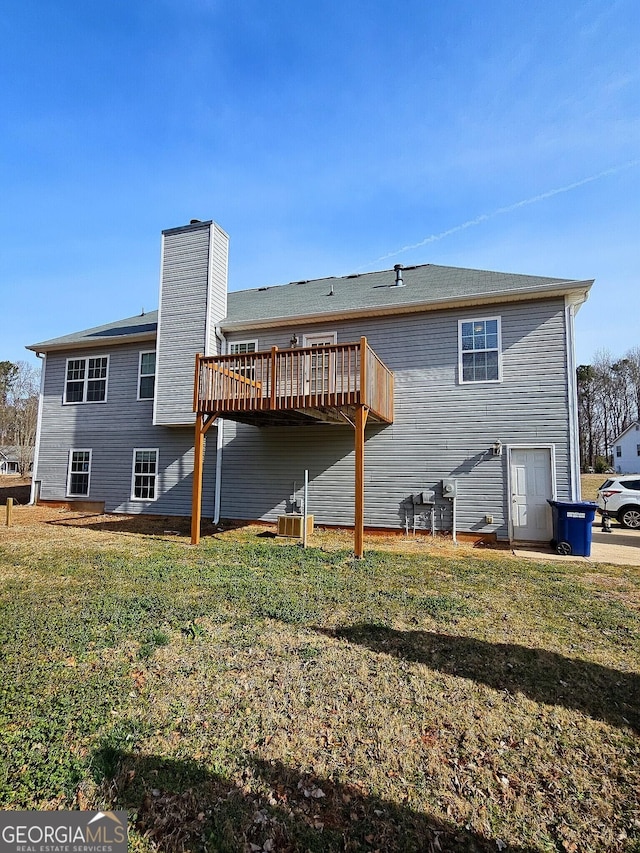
(479, 350)
(78, 473)
(145, 474)
(241, 347)
(86, 380)
(147, 375)
(618, 450)
(241, 366)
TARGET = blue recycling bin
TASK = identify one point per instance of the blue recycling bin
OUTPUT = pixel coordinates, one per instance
(572, 522)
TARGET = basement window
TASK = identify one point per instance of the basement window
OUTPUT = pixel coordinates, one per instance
(78, 473)
(145, 475)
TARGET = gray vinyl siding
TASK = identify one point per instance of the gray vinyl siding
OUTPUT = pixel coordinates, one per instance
(112, 430)
(441, 428)
(192, 301)
(217, 299)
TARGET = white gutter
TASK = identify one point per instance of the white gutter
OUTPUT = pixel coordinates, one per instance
(36, 452)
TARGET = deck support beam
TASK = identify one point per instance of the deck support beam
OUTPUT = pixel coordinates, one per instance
(203, 422)
(362, 413)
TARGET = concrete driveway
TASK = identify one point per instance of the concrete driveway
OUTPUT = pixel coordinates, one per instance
(621, 547)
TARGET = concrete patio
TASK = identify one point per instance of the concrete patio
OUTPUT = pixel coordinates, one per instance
(621, 547)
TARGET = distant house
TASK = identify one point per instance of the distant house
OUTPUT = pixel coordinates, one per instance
(10, 460)
(461, 381)
(626, 450)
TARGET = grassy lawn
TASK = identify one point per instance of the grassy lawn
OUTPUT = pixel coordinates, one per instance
(250, 696)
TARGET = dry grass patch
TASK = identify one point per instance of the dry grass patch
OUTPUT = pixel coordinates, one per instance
(251, 696)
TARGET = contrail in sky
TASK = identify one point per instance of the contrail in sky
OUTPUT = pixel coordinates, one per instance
(433, 238)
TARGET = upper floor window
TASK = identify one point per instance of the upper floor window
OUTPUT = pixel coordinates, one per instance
(241, 347)
(245, 367)
(618, 450)
(479, 350)
(86, 380)
(146, 375)
(78, 473)
(638, 449)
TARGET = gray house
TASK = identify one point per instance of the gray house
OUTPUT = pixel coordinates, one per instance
(459, 385)
(9, 460)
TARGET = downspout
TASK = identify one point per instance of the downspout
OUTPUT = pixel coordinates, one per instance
(219, 443)
(572, 395)
(36, 452)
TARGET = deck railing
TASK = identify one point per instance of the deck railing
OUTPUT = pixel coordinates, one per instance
(328, 376)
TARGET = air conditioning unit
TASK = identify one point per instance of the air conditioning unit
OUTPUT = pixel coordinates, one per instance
(291, 524)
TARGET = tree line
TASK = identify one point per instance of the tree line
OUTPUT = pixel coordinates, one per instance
(608, 402)
(19, 391)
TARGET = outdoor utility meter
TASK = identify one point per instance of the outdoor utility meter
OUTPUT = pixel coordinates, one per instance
(450, 488)
(425, 498)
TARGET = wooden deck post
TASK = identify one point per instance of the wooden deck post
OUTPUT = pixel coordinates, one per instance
(198, 464)
(9, 511)
(360, 423)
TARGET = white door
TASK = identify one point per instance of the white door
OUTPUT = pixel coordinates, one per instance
(531, 485)
(320, 370)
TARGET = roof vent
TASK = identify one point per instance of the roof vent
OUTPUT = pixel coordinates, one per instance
(331, 292)
(195, 221)
(398, 282)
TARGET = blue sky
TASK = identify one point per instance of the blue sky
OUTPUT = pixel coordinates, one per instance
(325, 138)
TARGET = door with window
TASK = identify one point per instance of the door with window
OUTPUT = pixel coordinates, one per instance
(531, 486)
(320, 367)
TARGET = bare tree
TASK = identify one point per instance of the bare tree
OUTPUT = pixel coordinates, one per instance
(19, 410)
(608, 401)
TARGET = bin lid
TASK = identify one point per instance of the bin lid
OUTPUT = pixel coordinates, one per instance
(577, 505)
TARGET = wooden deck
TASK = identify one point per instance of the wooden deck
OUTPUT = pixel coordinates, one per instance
(322, 384)
(332, 383)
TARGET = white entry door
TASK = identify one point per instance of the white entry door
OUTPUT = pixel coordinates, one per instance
(531, 485)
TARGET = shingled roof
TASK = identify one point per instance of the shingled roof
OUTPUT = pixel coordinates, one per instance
(426, 287)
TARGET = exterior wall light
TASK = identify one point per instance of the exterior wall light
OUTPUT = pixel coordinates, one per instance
(293, 343)
(497, 448)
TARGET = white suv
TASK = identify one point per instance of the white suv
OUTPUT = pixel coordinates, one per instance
(622, 496)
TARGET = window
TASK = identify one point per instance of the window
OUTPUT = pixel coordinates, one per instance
(146, 375)
(618, 450)
(638, 449)
(241, 366)
(479, 350)
(241, 347)
(145, 475)
(86, 380)
(79, 473)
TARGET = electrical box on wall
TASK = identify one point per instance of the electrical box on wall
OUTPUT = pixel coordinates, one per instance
(425, 498)
(450, 488)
